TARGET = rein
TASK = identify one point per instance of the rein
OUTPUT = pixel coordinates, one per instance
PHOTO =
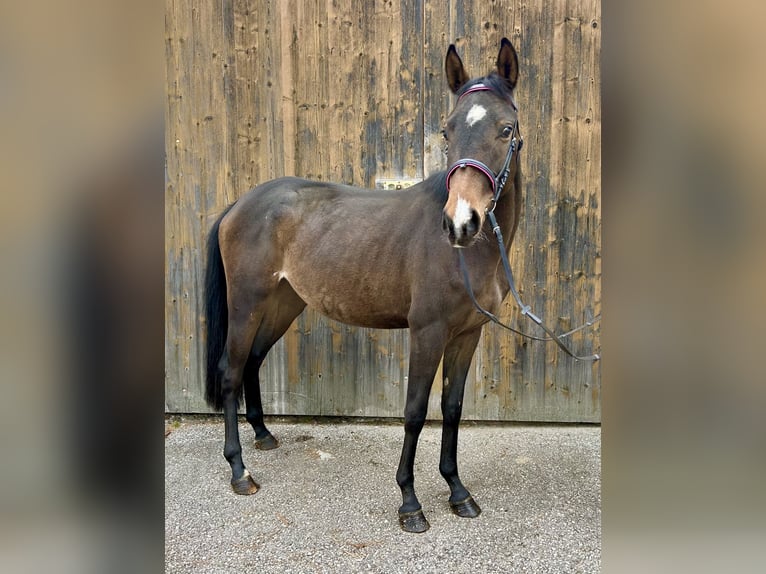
(526, 310)
(498, 183)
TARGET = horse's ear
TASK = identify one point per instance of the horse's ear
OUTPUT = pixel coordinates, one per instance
(453, 66)
(508, 63)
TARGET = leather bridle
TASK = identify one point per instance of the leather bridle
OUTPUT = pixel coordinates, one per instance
(498, 182)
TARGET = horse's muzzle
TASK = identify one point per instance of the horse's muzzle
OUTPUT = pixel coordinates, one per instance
(462, 234)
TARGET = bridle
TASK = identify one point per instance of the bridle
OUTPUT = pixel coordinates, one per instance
(498, 181)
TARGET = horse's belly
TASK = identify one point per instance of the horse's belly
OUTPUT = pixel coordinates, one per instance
(352, 304)
(377, 320)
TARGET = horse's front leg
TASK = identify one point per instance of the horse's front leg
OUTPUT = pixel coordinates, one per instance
(457, 360)
(426, 348)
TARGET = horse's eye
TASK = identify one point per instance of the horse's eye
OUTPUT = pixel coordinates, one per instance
(507, 131)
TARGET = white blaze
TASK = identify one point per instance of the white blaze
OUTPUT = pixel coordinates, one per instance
(476, 113)
(462, 213)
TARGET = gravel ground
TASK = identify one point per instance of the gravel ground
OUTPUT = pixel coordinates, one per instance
(329, 497)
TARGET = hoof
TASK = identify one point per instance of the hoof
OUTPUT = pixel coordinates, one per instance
(413, 521)
(245, 484)
(466, 508)
(267, 442)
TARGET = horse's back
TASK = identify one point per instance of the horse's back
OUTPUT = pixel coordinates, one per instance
(307, 200)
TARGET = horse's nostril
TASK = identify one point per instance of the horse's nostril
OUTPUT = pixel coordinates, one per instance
(472, 227)
(448, 225)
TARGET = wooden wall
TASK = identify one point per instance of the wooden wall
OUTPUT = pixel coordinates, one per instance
(351, 91)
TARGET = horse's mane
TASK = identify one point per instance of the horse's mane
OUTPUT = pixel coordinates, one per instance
(436, 186)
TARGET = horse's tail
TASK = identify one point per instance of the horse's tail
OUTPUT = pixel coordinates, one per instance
(216, 315)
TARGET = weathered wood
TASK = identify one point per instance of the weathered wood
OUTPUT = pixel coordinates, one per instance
(352, 91)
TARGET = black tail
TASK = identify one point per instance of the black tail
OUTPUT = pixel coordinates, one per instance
(216, 315)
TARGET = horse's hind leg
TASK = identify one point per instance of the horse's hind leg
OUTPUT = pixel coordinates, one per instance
(457, 360)
(283, 307)
(241, 332)
(264, 440)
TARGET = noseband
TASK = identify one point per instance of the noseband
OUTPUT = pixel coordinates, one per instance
(497, 181)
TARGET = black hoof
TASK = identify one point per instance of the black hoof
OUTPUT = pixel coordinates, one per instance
(245, 484)
(466, 508)
(413, 521)
(267, 442)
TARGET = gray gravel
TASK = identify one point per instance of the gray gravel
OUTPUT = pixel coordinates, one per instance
(329, 497)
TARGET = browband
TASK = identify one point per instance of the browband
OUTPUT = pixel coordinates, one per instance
(480, 87)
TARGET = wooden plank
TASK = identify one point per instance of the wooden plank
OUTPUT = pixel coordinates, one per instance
(198, 175)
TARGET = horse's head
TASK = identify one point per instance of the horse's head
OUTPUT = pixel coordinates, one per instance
(483, 138)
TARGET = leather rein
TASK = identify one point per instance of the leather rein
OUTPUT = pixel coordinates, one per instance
(498, 182)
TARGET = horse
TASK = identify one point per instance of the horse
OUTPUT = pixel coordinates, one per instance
(373, 258)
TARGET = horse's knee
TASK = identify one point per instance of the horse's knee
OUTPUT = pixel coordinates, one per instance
(414, 421)
(451, 413)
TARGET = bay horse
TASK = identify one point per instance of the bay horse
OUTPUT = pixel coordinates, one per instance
(373, 258)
